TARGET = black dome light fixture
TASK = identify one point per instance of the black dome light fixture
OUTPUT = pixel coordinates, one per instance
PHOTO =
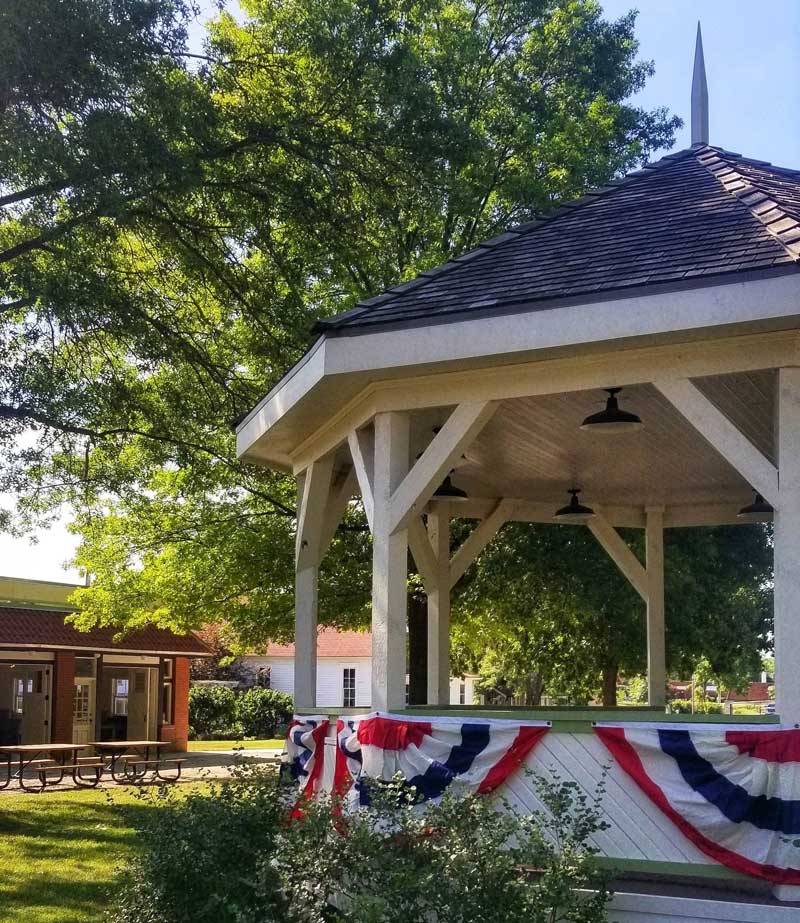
(612, 419)
(574, 511)
(757, 511)
(447, 490)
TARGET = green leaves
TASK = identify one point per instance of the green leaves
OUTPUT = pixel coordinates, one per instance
(172, 227)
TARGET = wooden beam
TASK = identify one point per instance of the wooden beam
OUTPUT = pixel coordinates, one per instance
(786, 542)
(431, 468)
(422, 551)
(656, 632)
(718, 430)
(389, 566)
(479, 538)
(340, 496)
(439, 608)
(362, 451)
(316, 485)
(620, 553)
(313, 490)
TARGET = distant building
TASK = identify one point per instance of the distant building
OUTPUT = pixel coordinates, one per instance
(61, 685)
(344, 666)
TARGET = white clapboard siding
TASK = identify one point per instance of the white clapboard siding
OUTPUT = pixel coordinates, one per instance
(330, 677)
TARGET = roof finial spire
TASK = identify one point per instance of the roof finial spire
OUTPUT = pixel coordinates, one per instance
(699, 94)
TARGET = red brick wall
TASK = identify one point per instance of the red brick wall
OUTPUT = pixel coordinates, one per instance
(178, 732)
(62, 697)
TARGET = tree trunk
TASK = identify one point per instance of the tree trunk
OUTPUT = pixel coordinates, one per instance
(609, 692)
(417, 649)
(534, 687)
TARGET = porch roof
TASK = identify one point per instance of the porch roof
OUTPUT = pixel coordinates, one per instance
(45, 629)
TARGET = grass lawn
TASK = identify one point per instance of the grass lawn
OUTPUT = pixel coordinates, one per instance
(274, 744)
(58, 853)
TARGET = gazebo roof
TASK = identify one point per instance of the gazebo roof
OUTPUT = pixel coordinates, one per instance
(691, 217)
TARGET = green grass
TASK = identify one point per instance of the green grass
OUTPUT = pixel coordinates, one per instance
(58, 853)
(273, 744)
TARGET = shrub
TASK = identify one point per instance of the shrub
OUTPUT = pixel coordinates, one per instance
(263, 712)
(212, 710)
(226, 854)
(203, 854)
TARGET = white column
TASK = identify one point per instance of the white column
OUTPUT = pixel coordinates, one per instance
(389, 565)
(439, 609)
(656, 641)
(313, 489)
(787, 549)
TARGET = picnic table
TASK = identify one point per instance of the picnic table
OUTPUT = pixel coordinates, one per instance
(132, 760)
(44, 759)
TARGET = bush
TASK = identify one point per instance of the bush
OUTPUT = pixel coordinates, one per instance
(203, 854)
(212, 711)
(227, 854)
(263, 712)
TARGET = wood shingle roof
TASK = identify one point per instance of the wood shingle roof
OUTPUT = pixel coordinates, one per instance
(696, 215)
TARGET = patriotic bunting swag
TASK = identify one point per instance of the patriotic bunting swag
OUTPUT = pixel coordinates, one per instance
(431, 755)
(303, 755)
(734, 793)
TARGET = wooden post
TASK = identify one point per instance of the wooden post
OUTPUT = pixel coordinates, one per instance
(656, 640)
(439, 609)
(313, 489)
(787, 549)
(389, 565)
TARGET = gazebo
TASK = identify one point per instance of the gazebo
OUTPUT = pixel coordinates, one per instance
(680, 285)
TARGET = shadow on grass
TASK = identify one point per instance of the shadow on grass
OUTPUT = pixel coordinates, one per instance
(58, 854)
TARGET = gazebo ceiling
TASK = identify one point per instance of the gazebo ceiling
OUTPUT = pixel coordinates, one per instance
(533, 447)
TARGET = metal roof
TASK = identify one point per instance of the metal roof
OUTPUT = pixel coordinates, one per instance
(691, 217)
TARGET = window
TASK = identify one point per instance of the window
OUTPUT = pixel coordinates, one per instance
(120, 703)
(349, 687)
(81, 705)
(462, 693)
(19, 695)
(167, 691)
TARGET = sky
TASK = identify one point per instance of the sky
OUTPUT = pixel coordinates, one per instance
(752, 53)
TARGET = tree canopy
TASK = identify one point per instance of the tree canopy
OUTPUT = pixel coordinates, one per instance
(174, 221)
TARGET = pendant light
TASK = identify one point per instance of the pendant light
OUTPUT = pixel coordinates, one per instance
(757, 511)
(612, 419)
(447, 490)
(574, 511)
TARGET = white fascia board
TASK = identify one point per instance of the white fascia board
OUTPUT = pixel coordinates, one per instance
(388, 353)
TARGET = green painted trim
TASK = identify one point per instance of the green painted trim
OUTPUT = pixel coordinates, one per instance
(675, 869)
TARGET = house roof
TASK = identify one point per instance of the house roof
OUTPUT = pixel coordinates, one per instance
(46, 628)
(696, 215)
(331, 643)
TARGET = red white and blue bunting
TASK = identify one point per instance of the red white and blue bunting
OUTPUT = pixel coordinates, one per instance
(304, 754)
(432, 755)
(734, 793)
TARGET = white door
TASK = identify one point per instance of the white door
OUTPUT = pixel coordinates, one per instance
(139, 705)
(83, 710)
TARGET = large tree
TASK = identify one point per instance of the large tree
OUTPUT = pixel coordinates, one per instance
(174, 222)
(547, 610)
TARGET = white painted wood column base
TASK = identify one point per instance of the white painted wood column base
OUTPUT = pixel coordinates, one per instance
(389, 565)
(305, 639)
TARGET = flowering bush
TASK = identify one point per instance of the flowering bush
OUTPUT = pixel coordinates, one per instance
(228, 854)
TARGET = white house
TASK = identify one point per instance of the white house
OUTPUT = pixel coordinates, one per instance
(344, 669)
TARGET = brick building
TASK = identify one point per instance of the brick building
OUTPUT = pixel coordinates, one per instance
(58, 684)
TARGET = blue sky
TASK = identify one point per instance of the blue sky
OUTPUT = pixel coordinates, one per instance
(752, 53)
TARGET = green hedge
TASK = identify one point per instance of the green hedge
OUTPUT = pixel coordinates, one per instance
(220, 713)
